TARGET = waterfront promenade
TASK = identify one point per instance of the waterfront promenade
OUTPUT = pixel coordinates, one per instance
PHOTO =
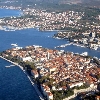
(33, 84)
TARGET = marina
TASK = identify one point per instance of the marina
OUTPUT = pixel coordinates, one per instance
(96, 48)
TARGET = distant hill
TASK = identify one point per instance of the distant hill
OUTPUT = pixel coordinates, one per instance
(89, 2)
(48, 3)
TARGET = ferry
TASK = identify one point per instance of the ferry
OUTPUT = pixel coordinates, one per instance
(84, 54)
(14, 44)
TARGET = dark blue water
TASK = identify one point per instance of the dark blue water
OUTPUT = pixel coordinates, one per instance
(9, 13)
(14, 85)
(28, 37)
(34, 37)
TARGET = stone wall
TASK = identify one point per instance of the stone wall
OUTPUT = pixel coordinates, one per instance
(81, 90)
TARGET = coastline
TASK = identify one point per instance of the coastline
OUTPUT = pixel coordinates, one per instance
(32, 83)
(10, 7)
(76, 44)
(9, 28)
(25, 72)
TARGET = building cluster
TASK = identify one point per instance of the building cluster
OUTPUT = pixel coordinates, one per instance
(9, 7)
(90, 39)
(67, 20)
(67, 70)
(45, 20)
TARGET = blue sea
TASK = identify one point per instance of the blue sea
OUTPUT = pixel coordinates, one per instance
(9, 13)
(32, 36)
(14, 85)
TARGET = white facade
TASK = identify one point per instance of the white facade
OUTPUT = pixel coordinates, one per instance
(26, 59)
(76, 84)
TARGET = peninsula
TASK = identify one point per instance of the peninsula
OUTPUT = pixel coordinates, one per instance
(56, 73)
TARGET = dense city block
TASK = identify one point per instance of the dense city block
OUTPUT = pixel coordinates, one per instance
(55, 70)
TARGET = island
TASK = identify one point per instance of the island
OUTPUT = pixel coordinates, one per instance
(57, 74)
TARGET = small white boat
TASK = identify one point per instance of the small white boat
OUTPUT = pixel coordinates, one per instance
(12, 65)
(14, 44)
(9, 66)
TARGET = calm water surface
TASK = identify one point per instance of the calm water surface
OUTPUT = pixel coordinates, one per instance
(14, 85)
(34, 37)
(9, 13)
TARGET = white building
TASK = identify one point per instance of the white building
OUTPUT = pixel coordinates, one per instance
(26, 58)
(75, 84)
